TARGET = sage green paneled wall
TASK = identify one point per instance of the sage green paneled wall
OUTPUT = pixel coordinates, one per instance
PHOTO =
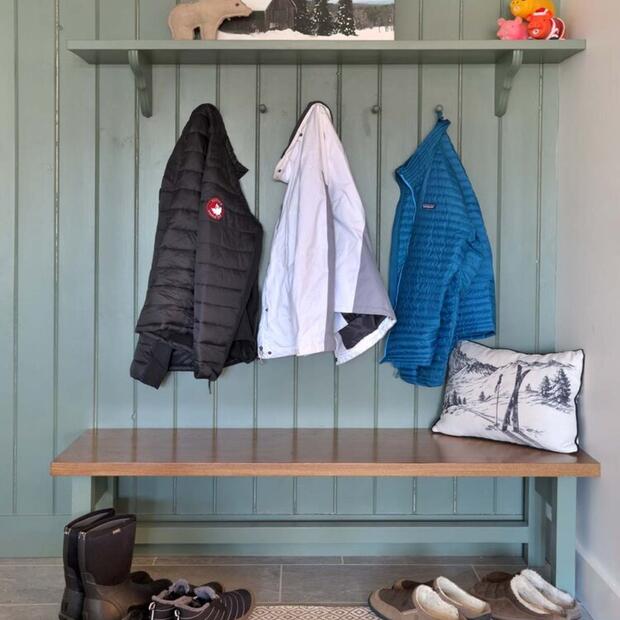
(80, 173)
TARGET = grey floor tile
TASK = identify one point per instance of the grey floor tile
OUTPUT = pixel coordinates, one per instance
(433, 560)
(29, 612)
(246, 560)
(31, 584)
(30, 561)
(264, 581)
(144, 560)
(353, 583)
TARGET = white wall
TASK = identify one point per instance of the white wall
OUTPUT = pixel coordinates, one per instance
(588, 294)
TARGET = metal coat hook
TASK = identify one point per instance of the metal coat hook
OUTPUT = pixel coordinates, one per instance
(439, 112)
(376, 109)
(262, 108)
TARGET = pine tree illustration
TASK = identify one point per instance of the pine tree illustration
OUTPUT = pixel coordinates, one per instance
(464, 400)
(482, 397)
(345, 21)
(322, 23)
(561, 388)
(528, 387)
(303, 22)
(455, 399)
(545, 388)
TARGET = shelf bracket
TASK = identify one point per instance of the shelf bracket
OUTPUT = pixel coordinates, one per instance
(143, 74)
(506, 70)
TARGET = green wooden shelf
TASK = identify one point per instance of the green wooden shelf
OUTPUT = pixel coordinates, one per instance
(507, 56)
(321, 52)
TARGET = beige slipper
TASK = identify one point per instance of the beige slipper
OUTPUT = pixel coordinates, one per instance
(430, 606)
(469, 606)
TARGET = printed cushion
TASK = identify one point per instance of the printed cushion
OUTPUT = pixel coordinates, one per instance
(508, 396)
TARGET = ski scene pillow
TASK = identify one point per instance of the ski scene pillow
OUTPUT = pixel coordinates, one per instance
(507, 396)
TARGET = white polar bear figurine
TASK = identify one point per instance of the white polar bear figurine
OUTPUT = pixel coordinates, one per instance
(207, 15)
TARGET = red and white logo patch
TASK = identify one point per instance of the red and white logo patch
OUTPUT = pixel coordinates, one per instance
(215, 209)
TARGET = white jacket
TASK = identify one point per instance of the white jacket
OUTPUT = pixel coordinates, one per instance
(323, 291)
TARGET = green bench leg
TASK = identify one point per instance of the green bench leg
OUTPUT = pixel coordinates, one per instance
(564, 533)
(536, 525)
(92, 494)
(82, 492)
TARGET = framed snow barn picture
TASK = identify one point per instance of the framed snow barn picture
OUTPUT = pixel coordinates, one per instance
(310, 19)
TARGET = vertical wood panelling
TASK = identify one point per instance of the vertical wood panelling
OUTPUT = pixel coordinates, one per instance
(195, 405)
(8, 264)
(439, 86)
(317, 404)
(236, 388)
(357, 379)
(275, 389)
(116, 234)
(91, 215)
(548, 209)
(156, 138)
(395, 399)
(76, 233)
(519, 216)
(479, 152)
(36, 256)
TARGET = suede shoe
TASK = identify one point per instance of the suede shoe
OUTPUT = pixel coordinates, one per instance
(553, 595)
(410, 584)
(430, 606)
(208, 605)
(394, 603)
(469, 606)
(516, 599)
(162, 605)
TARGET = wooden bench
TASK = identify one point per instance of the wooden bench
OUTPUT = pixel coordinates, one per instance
(97, 458)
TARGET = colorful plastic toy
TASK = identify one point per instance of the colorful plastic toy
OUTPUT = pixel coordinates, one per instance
(524, 8)
(542, 25)
(512, 29)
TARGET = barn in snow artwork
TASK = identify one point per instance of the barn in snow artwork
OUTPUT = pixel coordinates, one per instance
(303, 19)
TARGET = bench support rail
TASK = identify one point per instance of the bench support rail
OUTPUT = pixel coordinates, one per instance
(560, 494)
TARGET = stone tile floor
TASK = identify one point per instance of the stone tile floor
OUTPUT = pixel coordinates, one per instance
(31, 588)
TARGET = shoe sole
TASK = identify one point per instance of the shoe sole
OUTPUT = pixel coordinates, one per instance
(397, 614)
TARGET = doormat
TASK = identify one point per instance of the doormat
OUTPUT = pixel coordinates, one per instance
(301, 612)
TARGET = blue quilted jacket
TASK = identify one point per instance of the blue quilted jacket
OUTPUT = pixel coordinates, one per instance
(441, 267)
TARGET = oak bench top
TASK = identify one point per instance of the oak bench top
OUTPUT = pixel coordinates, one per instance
(307, 452)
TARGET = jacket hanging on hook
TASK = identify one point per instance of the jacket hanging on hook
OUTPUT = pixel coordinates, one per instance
(441, 267)
(323, 290)
(201, 306)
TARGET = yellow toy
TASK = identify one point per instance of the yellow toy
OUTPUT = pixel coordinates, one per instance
(525, 8)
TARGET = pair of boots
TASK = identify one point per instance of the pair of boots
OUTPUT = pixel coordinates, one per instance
(99, 585)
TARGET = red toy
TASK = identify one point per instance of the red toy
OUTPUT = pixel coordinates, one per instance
(541, 24)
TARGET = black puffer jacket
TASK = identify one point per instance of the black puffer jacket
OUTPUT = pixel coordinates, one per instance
(201, 307)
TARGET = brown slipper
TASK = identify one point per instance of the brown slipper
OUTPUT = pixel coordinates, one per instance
(410, 584)
(516, 599)
(393, 604)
